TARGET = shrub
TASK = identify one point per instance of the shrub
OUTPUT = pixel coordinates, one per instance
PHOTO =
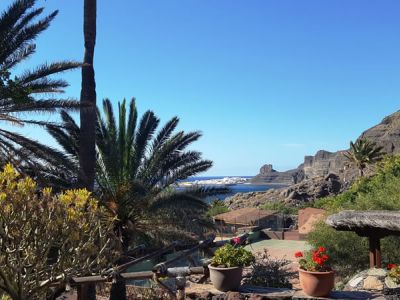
(229, 256)
(282, 207)
(268, 272)
(379, 192)
(46, 238)
(217, 207)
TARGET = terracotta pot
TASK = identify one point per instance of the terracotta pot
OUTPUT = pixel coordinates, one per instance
(317, 284)
(226, 279)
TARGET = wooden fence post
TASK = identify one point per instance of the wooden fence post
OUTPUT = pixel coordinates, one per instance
(87, 292)
(375, 258)
(180, 287)
(118, 289)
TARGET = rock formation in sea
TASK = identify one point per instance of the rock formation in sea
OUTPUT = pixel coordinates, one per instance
(268, 175)
(326, 173)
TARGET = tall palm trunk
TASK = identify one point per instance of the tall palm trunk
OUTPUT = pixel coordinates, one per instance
(87, 152)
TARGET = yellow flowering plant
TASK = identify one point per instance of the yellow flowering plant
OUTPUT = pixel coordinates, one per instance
(46, 238)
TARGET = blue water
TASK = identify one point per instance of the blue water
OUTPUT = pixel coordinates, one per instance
(237, 188)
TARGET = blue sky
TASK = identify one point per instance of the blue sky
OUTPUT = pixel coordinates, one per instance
(265, 81)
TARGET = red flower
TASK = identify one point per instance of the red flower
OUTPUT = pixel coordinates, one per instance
(236, 240)
(318, 260)
(298, 254)
(391, 266)
(321, 249)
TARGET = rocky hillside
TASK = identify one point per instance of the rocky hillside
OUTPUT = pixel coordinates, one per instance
(296, 194)
(325, 173)
(385, 134)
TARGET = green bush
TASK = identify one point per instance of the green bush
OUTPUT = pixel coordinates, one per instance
(269, 272)
(281, 207)
(379, 192)
(229, 256)
(46, 238)
(217, 207)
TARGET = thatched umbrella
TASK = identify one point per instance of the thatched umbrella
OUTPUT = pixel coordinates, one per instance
(372, 224)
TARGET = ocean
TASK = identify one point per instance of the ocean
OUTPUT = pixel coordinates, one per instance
(235, 188)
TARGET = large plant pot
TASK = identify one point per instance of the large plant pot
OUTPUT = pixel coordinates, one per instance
(317, 284)
(226, 279)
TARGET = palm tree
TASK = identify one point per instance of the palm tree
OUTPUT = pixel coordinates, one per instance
(363, 153)
(137, 171)
(87, 155)
(31, 91)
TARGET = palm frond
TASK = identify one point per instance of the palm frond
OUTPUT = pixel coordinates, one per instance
(164, 133)
(20, 25)
(178, 202)
(49, 105)
(47, 70)
(25, 35)
(147, 126)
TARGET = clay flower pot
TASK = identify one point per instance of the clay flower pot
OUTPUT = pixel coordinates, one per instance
(226, 279)
(316, 284)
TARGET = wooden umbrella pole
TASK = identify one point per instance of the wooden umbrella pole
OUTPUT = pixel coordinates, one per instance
(375, 257)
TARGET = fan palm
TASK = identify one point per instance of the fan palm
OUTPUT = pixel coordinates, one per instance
(363, 153)
(137, 169)
(31, 91)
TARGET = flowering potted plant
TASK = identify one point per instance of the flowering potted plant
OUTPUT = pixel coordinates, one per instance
(316, 277)
(392, 281)
(227, 266)
(394, 273)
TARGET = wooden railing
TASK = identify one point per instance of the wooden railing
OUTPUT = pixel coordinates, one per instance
(118, 275)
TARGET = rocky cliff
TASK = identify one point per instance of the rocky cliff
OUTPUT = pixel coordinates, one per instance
(386, 134)
(325, 173)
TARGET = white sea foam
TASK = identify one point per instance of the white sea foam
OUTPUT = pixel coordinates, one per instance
(219, 181)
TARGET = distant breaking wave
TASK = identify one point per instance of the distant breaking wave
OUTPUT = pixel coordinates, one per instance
(236, 184)
(224, 181)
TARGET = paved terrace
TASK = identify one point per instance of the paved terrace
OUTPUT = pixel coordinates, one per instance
(253, 293)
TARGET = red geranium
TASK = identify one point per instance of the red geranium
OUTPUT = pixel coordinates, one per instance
(315, 260)
(391, 266)
(298, 254)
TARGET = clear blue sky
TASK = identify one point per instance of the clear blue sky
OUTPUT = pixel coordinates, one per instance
(265, 81)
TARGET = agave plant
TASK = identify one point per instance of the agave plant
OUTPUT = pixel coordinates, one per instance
(30, 92)
(138, 167)
(363, 153)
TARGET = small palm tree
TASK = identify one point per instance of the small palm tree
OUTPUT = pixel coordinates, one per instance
(31, 91)
(137, 169)
(363, 153)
